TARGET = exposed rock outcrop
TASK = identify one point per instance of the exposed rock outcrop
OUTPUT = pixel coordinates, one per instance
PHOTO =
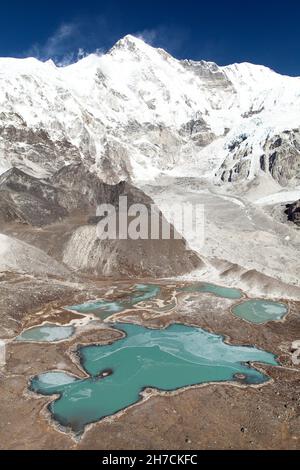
(278, 156)
(28, 200)
(293, 212)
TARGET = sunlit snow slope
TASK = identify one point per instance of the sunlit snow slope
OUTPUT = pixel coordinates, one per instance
(136, 112)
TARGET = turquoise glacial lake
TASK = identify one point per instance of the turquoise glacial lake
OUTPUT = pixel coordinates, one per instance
(219, 291)
(105, 308)
(260, 311)
(47, 333)
(166, 359)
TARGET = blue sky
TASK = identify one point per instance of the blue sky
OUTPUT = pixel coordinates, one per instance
(262, 32)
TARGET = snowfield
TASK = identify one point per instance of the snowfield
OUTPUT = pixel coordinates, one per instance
(282, 197)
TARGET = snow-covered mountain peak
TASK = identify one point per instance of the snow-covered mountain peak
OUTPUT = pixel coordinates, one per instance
(256, 78)
(130, 42)
(137, 111)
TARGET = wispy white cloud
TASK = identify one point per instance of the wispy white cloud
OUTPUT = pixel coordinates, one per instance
(56, 43)
(75, 39)
(66, 45)
(148, 35)
(173, 39)
(176, 41)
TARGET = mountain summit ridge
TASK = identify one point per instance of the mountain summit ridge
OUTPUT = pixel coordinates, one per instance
(136, 112)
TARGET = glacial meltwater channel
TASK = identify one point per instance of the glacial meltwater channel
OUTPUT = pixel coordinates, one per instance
(166, 359)
(219, 291)
(260, 311)
(47, 333)
(105, 308)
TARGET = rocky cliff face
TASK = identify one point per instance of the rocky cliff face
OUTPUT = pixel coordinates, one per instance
(278, 156)
(293, 212)
(28, 200)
